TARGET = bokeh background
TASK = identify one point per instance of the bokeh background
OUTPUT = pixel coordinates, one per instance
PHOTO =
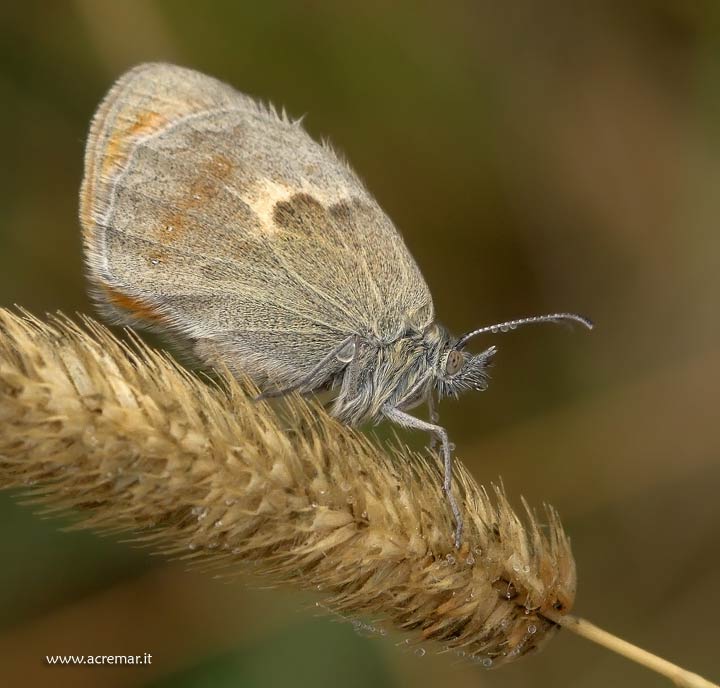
(537, 156)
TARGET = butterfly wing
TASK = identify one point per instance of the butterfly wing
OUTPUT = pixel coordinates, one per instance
(208, 215)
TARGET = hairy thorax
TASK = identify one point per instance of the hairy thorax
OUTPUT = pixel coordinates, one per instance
(396, 375)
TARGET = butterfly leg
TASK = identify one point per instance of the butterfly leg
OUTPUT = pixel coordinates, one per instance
(408, 421)
(434, 419)
(309, 378)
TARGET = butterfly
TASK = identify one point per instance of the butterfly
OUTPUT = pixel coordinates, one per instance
(216, 220)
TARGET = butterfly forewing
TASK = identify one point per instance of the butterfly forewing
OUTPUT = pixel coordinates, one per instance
(212, 216)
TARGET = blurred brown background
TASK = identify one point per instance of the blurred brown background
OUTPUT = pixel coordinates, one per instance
(545, 156)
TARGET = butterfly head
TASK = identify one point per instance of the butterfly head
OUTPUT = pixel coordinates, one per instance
(458, 371)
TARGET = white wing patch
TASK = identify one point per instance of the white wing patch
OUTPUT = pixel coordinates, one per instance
(263, 197)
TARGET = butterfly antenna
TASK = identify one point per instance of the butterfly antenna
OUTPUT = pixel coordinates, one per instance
(514, 324)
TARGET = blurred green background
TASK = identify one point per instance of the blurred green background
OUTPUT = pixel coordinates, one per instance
(543, 156)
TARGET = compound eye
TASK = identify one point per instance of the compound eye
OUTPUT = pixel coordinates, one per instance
(454, 363)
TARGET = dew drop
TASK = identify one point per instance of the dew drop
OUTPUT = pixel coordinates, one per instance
(450, 559)
(218, 523)
(155, 261)
(420, 652)
(487, 662)
(200, 512)
(470, 560)
(494, 329)
(532, 628)
(526, 569)
(192, 545)
(169, 228)
(229, 502)
(347, 353)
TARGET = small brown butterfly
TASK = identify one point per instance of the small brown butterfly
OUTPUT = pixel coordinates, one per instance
(214, 219)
